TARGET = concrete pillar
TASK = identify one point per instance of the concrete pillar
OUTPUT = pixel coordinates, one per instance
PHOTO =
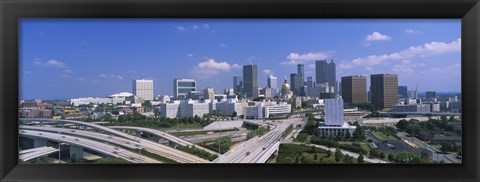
(39, 142)
(172, 144)
(156, 138)
(77, 150)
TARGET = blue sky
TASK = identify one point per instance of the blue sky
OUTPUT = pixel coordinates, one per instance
(67, 58)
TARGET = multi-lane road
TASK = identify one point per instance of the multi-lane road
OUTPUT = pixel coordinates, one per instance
(164, 135)
(256, 149)
(89, 144)
(136, 143)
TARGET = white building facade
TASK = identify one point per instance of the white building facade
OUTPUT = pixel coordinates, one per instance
(334, 119)
(143, 89)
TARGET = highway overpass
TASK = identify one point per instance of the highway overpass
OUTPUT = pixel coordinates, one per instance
(153, 147)
(29, 154)
(164, 135)
(156, 148)
(258, 149)
(89, 144)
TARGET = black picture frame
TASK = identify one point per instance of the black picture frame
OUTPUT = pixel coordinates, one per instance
(13, 10)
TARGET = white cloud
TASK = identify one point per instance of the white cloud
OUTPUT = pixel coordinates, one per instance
(235, 66)
(431, 48)
(343, 66)
(211, 67)
(268, 72)
(181, 28)
(190, 55)
(377, 36)
(406, 61)
(65, 76)
(402, 68)
(452, 69)
(50, 63)
(296, 58)
(193, 27)
(118, 77)
(311, 66)
(82, 79)
(411, 31)
(369, 68)
(222, 45)
(68, 71)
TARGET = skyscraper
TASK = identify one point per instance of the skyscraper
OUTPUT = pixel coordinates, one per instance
(183, 87)
(250, 80)
(354, 89)
(384, 90)
(402, 92)
(296, 84)
(321, 72)
(431, 94)
(301, 70)
(237, 84)
(143, 88)
(332, 77)
(310, 84)
(272, 83)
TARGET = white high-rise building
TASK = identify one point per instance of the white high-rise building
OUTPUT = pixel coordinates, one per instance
(143, 88)
(334, 123)
(183, 87)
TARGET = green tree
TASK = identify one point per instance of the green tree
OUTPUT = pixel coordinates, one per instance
(407, 157)
(382, 155)
(447, 147)
(402, 124)
(360, 159)
(315, 156)
(329, 153)
(348, 135)
(338, 155)
(391, 157)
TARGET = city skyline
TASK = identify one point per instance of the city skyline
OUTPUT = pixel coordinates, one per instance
(66, 62)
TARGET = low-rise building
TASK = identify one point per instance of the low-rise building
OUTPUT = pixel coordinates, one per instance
(230, 106)
(423, 108)
(263, 110)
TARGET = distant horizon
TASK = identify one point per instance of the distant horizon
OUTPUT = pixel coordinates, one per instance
(96, 58)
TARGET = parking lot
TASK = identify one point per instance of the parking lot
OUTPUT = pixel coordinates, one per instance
(397, 147)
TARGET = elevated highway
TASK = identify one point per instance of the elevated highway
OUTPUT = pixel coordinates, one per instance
(164, 135)
(259, 149)
(89, 144)
(162, 150)
(29, 154)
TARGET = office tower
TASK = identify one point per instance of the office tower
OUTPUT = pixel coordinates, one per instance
(272, 83)
(321, 72)
(301, 70)
(250, 81)
(208, 93)
(384, 90)
(310, 84)
(431, 94)
(332, 77)
(334, 112)
(143, 88)
(354, 89)
(183, 87)
(402, 92)
(237, 84)
(296, 84)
